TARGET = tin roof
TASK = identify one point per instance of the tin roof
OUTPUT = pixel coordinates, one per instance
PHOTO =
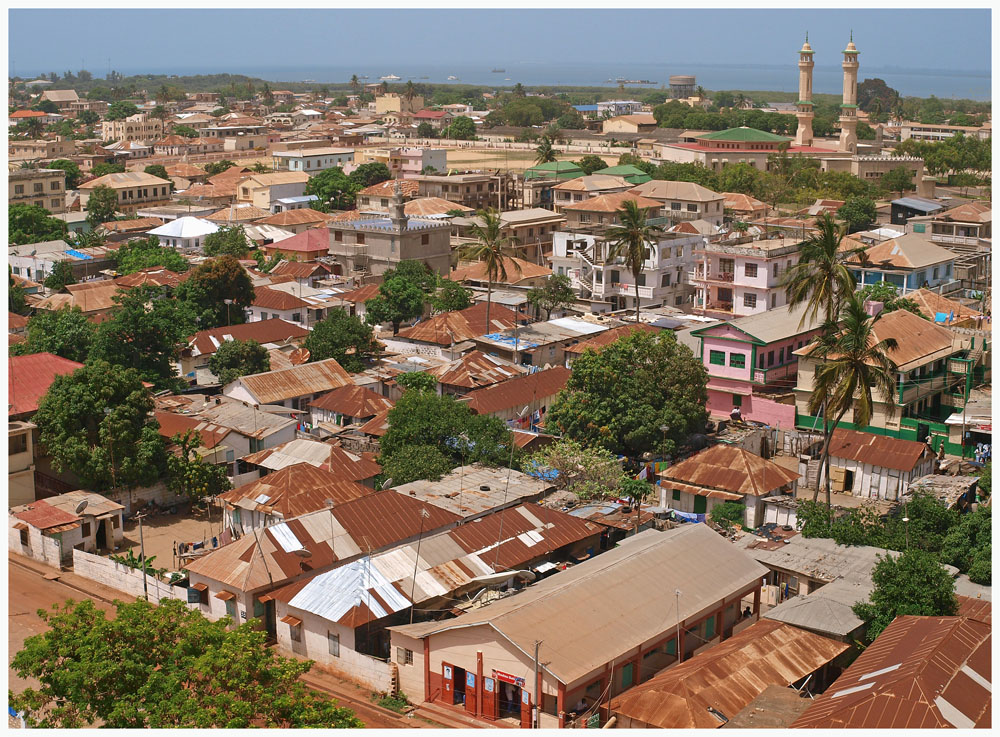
(476, 369)
(931, 303)
(301, 216)
(172, 424)
(877, 450)
(362, 294)
(294, 491)
(518, 270)
(729, 469)
(226, 412)
(97, 505)
(273, 387)
(29, 378)
(909, 251)
(921, 672)
(461, 490)
(207, 342)
(727, 676)
(319, 454)
(377, 426)
(517, 392)
(156, 276)
(610, 336)
(44, 516)
(353, 401)
(276, 299)
(816, 557)
(462, 325)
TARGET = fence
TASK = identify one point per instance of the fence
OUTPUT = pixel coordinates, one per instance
(127, 580)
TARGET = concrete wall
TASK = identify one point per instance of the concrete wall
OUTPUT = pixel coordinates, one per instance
(136, 498)
(876, 482)
(214, 608)
(40, 547)
(129, 580)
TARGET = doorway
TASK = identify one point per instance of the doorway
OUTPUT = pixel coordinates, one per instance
(848, 481)
(509, 698)
(103, 536)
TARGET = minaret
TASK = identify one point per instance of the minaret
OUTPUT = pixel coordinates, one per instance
(397, 209)
(849, 109)
(804, 134)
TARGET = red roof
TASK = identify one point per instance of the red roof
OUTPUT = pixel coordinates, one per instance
(275, 299)
(262, 331)
(29, 377)
(308, 241)
(517, 392)
(610, 336)
(353, 401)
(296, 490)
(430, 114)
(462, 325)
(172, 424)
(362, 294)
(16, 322)
(27, 114)
(43, 515)
(877, 450)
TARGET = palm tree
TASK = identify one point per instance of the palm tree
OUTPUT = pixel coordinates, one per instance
(545, 152)
(409, 91)
(875, 111)
(518, 90)
(629, 240)
(853, 362)
(494, 249)
(355, 84)
(820, 281)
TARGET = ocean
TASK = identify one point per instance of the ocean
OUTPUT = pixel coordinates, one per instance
(826, 79)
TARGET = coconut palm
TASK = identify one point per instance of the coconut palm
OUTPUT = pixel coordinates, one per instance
(700, 91)
(494, 249)
(630, 239)
(544, 152)
(854, 362)
(409, 91)
(518, 90)
(355, 84)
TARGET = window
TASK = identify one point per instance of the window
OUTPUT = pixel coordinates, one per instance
(665, 280)
(425, 239)
(360, 240)
(710, 628)
(750, 270)
(584, 217)
(727, 265)
(404, 656)
(296, 317)
(24, 538)
(294, 630)
(333, 643)
(770, 358)
(737, 400)
(55, 203)
(737, 360)
(258, 607)
(936, 272)
(774, 299)
(692, 208)
(717, 358)
(749, 300)
(678, 300)
(39, 187)
(86, 529)
(17, 444)
(678, 252)
(385, 202)
(338, 236)
(18, 189)
(54, 186)
(677, 495)
(231, 608)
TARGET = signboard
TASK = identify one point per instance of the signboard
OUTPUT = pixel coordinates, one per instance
(470, 679)
(488, 684)
(507, 677)
(525, 697)
(447, 671)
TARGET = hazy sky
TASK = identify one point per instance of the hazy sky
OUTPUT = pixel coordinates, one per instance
(227, 40)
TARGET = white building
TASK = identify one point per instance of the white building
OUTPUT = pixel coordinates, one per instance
(186, 233)
(312, 160)
(615, 108)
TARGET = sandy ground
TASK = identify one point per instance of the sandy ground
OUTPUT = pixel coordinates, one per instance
(162, 530)
(505, 160)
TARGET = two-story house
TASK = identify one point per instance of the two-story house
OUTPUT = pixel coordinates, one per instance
(684, 200)
(135, 190)
(57, 148)
(405, 162)
(579, 189)
(936, 367)
(531, 230)
(966, 225)
(742, 276)
(751, 360)
(42, 187)
(138, 127)
(477, 191)
(377, 197)
(265, 190)
(312, 160)
(603, 209)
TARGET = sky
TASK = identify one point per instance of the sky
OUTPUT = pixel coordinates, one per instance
(230, 40)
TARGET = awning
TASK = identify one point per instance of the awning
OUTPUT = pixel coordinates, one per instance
(291, 621)
(20, 526)
(201, 587)
(546, 566)
(265, 598)
(730, 389)
(225, 595)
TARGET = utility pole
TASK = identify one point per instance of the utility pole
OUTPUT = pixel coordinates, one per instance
(142, 556)
(677, 593)
(535, 708)
(416, 560)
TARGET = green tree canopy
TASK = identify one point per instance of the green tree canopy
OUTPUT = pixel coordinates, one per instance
(101, 170)
(120, 110)
(899, 180)
(16, 300)
(88, 118)
(398, 300)
(368, 174)
(143, 253)
(426, 130)
(65, 332)
(101, 205)
(185, 130)
(858, 212)
(887, 293)
(62, 274)
(217, 167)
(572, 120)
(33, 224)
(912, 583)
(208, 288)
(590, 472)
(144, 333)
(236, 358)
(157, 170)
(621, 397)
(451, 296)
(342, 337)
(968, 545)
(556, 292)
(462, 128)
(97, 423)
(591, 163)
(333, 188)
(189, 475)
(73, 174)
(227, 241)
(163, 666)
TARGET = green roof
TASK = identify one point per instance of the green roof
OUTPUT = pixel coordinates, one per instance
(744, 134)
(805, 102)
(631, 174)
(554, 169)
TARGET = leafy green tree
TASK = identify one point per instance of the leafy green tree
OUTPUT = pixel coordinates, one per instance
(415, 462)
(88, 118)
(912, 583)
(333, 188)
(101, 170)
(144, 333)
(16, 300)
(217, 167)
(368, 174)
(163, 666)
(420, 381)
(120, 110)
(426, 130)
(72, 171)
(589, 472)
(46, 106)
(544, 152)
(451, 296)
(342, 337)
(418, 273)
(236, 358)
(622, 397)
(212, 283)
(185, 131)
(101, 205)
(591, 163)
(157, 170)
(740, 177)
(144, 253)
(494, 248)
(630, 241)
(462, 129)
(97, 423)
(33, 224)
(968, 545)
(728, 514)
(859, 213)
(899, 180)
(62, 274)
(571, 120)
(189, 475)
(398, 300)
(630, 159)
(556, 292)
(227, 241)
(887, 293)
(65, 332)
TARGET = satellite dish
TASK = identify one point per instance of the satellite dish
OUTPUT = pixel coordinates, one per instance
(299, 356)
(302, 553)
(387, 483)
(81, 506)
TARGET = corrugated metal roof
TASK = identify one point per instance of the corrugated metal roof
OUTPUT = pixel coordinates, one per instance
(273, 330)
(727, 677)
(518, 392)
(475, 370)
(322, 455)
(729, 469)
(877, 450)
(274, 387)
(921, 672)
(96, 503)
(44, 516)
(296, 490)
(578, 613)
(29, 378)
(610, 336)
(461, 490)
(353, 401)
(450, 327)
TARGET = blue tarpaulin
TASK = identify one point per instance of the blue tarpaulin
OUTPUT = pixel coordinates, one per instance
(78, 254)
(689, 516)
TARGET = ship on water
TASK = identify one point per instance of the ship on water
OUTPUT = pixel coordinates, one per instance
(622, 80)
(499, 71)
(390, 78)
(453, 78)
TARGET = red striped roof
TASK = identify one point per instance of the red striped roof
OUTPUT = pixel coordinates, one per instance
(29, 378)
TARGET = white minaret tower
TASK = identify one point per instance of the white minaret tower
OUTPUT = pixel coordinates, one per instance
(849, 109)
(804, 134)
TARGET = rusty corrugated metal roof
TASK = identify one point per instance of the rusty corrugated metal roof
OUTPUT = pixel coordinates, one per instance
(296, 490)
(877, 450)
(274, 387)
(356, 467)
(353, 401)
(475, 370)
(43, 515)
(727, 676)
(450, 327)
(29, 378)
(518, 392)
(610, 336)
(921, 672)
(731, 469)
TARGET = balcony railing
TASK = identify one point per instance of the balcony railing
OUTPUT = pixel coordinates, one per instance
(957, 239)
(726, 277)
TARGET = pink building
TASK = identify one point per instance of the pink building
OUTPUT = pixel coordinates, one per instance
(751, 364)
(734, 278)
